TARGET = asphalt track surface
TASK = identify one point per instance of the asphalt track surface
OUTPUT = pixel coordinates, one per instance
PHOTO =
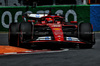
(73, 57)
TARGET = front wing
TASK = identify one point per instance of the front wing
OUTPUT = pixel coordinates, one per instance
(69, 40)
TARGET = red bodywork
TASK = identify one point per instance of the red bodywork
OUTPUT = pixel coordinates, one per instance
(56, 27)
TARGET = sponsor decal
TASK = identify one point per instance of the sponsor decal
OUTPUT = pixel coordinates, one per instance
(72, 39)
(56, 29)
(60, 33)
(69, 38)
(37, 15)
(56, 25)
(47, 38)
(44, 38)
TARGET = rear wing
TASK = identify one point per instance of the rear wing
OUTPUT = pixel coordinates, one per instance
(31, 16)
(36, 15)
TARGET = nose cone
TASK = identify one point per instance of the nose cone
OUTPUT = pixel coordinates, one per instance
(57, 32)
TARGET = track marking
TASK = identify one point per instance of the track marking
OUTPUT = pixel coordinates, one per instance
(28, 51)
(10, 53)
(57, 51)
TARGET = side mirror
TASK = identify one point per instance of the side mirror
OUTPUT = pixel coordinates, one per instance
(73, 21)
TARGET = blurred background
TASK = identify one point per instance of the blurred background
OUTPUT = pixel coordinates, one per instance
(72, 10)
(46, 2)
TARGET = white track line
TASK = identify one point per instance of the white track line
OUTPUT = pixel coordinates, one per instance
(10, 53)
(57, 51)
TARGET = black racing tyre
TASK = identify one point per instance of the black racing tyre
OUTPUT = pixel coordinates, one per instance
(86, 34)
(85, 31)
(26, 32)
(13, 34)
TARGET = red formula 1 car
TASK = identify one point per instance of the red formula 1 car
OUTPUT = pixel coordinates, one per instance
(50, 29)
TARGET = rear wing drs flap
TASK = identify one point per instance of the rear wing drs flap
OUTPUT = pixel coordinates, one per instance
(36, 15)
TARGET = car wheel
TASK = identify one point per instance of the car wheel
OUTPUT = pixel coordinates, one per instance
(26, 33)
(13, 34)
(86, 34)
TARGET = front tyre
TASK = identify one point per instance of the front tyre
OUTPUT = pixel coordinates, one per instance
(13, 34)
(25, 33)
(86, 35)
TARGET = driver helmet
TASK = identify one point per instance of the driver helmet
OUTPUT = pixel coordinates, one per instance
(49, 20)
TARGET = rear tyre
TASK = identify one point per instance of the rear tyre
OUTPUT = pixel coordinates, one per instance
(86, 34)
(13, 34)
(26, 33)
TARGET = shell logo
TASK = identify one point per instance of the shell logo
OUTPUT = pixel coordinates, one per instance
(56, 29)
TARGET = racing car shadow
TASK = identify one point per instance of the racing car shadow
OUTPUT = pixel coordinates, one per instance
(53, 47)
